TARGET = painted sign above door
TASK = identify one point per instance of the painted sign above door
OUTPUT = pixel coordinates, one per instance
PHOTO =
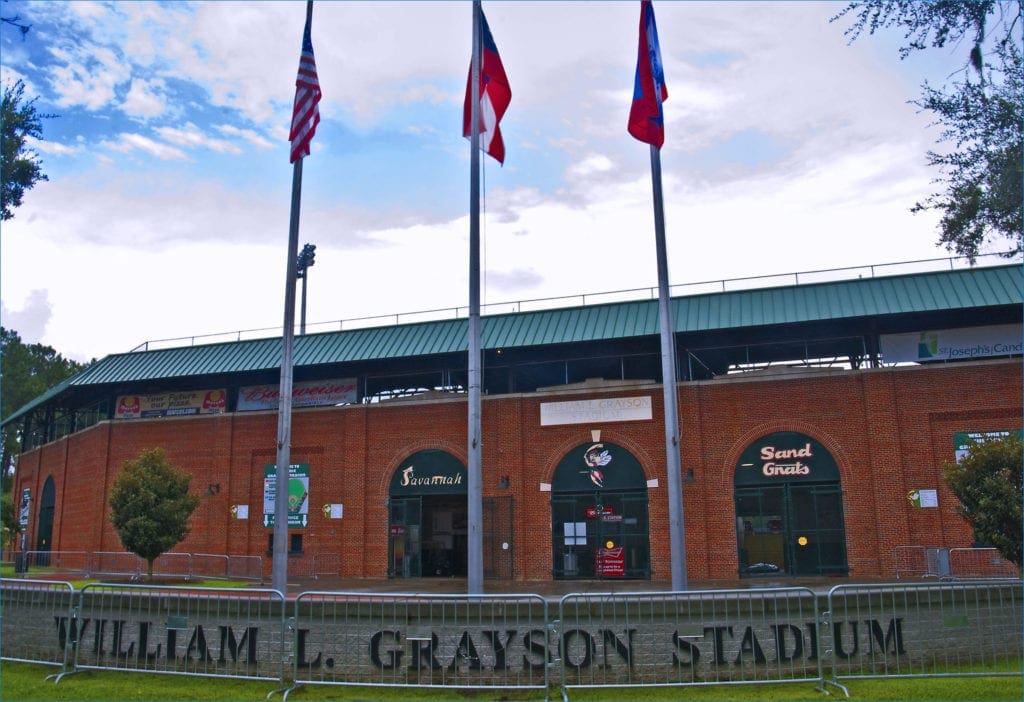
(429, 472)
(785, 456)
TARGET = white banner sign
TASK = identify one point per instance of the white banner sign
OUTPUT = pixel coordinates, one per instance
(611, 409)
(314, 393)
(952, 344)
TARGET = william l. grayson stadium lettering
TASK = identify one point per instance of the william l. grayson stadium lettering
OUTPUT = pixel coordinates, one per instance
(147, 642)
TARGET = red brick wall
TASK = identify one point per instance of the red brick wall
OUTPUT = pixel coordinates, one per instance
(889, 430)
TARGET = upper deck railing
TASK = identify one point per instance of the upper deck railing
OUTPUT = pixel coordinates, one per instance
(596, 298)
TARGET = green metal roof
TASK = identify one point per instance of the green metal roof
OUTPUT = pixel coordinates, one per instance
(866, 297)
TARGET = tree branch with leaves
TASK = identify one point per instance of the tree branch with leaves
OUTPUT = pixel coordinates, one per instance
(20, 167)
(979, 109)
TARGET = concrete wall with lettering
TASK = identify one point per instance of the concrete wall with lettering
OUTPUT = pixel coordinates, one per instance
(716, 636)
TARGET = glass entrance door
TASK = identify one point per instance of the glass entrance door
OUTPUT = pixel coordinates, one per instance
(795, 529)
(599, 515)
(404, 547)
(819, 546)
(600, 535)
(789, 508)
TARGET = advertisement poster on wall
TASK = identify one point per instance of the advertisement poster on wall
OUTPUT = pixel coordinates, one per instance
(26, 500)
(298, 495)
(171, 404)
(312, 393)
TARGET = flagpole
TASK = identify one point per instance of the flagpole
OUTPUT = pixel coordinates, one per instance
(677, 531)
(474, 515)
(279, 567)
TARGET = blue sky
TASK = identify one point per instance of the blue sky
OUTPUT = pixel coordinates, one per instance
(166, 211)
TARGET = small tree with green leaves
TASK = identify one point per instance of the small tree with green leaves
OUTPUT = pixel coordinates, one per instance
(987, 481)
(150, 506)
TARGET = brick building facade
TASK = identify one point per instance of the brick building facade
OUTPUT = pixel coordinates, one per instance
(884, 434)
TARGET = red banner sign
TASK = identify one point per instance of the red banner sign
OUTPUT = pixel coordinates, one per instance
(610, 562)
(595, 512)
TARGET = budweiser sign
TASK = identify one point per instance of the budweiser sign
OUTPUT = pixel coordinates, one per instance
(314, 393)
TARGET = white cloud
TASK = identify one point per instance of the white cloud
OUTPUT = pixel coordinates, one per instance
(144, 98)
(250, 135)
(128, 142)
(191, 136)
(29, 321)
(88, 76)
(50, 147)
(179, 228)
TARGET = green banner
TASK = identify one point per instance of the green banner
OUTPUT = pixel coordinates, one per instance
(298, 495)
(963, 440)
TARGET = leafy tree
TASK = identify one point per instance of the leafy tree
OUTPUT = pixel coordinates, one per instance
(26, 371)
(150, 506)
(20, 168)
(979, 110)
(9, 520)
(987, 481)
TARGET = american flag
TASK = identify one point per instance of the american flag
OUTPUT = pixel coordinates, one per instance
(306, 112)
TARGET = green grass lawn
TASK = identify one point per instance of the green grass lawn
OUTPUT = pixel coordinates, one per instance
(37, 573)
(24, 682)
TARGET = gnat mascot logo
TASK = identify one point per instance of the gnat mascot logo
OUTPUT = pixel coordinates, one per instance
(596, 459)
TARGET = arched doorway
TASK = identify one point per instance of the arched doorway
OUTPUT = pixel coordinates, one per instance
(599, 515)
(427, 511)
(789, 508)
(44, 532)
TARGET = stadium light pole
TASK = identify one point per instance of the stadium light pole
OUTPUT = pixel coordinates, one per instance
(306, 259)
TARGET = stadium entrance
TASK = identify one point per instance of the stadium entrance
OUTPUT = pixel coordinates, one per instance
(599, 515)
(789, 508)
(427, 517)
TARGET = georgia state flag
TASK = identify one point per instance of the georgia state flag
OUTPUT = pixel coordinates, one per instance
(495, 96)
(646, 118)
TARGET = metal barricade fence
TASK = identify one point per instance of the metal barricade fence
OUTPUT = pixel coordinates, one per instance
(246, 568)
(27, 562)
(37, 622)
(210, 565)
(688, 638)
(116, 563)
(182, 630)
(173, 565)
(418, 640)
(225, 565)
(70, 561)
(933, 629)
(979, 563)
(326, 564)
(910, 561)
(922, 562)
